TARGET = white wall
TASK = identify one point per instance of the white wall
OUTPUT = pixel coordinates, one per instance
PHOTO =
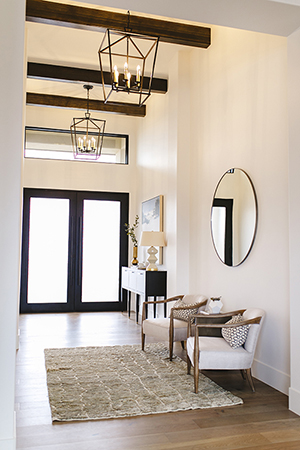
(162, 169)
(233, 115)
(239, 92)
(294, 201)
(11, 130)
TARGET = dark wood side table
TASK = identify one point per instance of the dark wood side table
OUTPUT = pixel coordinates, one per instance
(143, 282)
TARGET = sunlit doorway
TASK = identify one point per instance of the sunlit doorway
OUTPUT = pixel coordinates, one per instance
(74, 245)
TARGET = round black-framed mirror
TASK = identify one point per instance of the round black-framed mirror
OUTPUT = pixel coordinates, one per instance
(234, 217)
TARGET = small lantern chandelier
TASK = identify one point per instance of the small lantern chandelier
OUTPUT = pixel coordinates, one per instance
(87, 134)
(133, 52)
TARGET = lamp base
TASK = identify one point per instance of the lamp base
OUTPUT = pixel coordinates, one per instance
(152, 259)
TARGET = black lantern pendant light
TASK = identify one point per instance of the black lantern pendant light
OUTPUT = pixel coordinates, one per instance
(87, 134)
(129, 57)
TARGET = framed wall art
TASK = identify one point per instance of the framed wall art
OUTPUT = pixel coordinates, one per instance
(152, 220)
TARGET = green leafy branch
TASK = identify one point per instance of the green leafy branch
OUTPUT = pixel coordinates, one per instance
(130, 230)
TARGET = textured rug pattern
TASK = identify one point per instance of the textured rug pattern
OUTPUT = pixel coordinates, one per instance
(90, 383)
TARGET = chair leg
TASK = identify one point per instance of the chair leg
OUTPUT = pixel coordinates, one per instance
(243, 374)
(196, 377)
(182, 344)
(250, 379)
(143, 341)
(188, 361)
(171, 349)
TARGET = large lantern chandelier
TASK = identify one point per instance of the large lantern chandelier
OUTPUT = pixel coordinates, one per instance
(130, 59)
(87, 134)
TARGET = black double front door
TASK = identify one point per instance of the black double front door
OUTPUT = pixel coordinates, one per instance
(73, 247)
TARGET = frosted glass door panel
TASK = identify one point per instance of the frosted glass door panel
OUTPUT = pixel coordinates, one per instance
(218, 221)
(100, 251)
(48, 250)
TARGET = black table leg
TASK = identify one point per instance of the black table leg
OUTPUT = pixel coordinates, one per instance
(137, 307)
(154, 307)
(128, 302)
(165, 308)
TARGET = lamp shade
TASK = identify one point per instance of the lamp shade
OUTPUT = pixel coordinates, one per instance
(152, 238)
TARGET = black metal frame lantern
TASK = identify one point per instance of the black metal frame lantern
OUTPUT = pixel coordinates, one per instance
(87, 134)
(135, 53)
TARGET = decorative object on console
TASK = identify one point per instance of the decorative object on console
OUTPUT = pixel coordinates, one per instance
(215, 305)
(152, 219)
(87, 134)
(152, 239)
(130, 230)
(135, 52)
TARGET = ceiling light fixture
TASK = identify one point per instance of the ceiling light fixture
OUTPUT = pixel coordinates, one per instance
(136, 54)
(87, 134)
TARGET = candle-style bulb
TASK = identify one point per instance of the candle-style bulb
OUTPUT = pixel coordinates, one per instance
(116, 76)
(138, 74)
(128, 80)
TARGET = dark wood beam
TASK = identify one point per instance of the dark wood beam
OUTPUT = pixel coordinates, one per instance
(80, 17)
(60, 101)
(73, 74)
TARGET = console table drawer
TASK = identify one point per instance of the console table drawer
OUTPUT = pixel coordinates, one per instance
(140, 282)
(145, 283)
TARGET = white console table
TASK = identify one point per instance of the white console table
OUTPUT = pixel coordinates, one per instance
(143, 282)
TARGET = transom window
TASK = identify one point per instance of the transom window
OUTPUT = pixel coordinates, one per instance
(49, 143)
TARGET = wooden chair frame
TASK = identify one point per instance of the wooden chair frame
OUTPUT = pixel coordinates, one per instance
(171, 327)
(246, 373)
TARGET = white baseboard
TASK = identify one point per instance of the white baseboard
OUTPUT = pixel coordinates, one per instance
(294, 401)
(273, 377)
(8, 444)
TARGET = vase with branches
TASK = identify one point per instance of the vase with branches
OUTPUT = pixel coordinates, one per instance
(130, 230)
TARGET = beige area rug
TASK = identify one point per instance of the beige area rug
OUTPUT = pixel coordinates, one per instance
(90, 383)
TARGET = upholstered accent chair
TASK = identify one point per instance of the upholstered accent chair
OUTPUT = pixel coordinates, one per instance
(217, 353)
(170, 328)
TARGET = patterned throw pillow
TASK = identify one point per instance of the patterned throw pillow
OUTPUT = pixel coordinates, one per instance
(235, 336)
(184, 314)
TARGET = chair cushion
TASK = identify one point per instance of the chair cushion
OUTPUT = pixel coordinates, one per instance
(159, 328)
(183, 314)
(188, 300)
(236, 336)
(216, 354)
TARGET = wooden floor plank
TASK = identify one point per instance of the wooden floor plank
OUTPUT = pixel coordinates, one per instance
(263, 422)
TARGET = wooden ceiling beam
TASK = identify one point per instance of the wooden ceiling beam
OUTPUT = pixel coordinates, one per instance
(72, 74)
(86, 18)
(60, 101)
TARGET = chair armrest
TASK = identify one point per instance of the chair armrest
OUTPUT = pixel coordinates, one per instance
(171, 299)
(220, 315)
(230, 325)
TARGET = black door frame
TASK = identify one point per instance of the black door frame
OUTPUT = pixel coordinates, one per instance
(75, 250)
(226, 203)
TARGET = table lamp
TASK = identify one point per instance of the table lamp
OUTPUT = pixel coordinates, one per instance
(152, 239)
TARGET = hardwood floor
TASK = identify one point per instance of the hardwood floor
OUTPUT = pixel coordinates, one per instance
(263, 422)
